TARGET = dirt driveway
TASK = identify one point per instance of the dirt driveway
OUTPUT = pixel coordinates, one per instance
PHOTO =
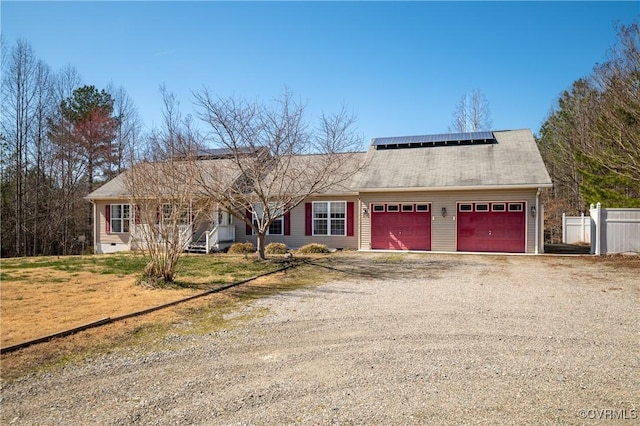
(403, 339)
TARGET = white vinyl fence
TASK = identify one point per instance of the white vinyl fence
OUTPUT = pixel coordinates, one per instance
(576, 229)
(614, 230)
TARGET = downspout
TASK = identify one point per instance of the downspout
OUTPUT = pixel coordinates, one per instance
(537, 219)
(359, 213)
(95, 227)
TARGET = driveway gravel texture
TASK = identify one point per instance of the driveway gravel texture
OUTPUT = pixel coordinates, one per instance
(402, 339)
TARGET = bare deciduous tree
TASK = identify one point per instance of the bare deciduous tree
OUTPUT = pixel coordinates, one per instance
(162, 210)
(162, 190)
(127, 132)
(26, 102)
(67, 166)
(472, 113)
(278, 160)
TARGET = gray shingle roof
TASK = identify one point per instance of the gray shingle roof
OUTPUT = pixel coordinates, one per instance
(224, 171)
(512, 161)
(221, 171)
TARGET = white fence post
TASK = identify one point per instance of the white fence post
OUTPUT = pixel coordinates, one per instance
(564, 228)
(596, 230)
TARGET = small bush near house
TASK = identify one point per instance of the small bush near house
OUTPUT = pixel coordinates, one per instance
(242, 248)
(276, 248)
(313, 248)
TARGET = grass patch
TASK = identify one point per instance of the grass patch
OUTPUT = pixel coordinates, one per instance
(191, 269)
(59, 263)
(4, 277)
(117, 264)
(197, 271)
(121, 265)
(393, 258)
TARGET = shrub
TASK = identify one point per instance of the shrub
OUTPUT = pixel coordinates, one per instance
(276, 248)
(313, 248)
(242, 248)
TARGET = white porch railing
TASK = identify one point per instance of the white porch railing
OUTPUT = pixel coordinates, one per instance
(220, 234)
(185, 235)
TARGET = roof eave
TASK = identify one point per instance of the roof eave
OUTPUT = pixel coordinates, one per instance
(458, 188)
(335, 194)
(93, 198)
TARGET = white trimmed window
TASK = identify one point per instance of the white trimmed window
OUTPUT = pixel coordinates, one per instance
(167, 214)
(329, 218)
(120, 218)
(276, 227)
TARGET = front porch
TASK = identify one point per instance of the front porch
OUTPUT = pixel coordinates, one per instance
(203, 234)
(218, 238)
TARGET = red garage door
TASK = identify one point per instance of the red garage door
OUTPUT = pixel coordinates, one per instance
(401, 226)
(498, 227)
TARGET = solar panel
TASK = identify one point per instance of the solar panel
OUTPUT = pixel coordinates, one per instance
(223, 152)
(470, 138)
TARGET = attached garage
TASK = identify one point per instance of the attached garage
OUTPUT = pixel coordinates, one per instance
(491, 227)
(483, 193)
(401, 226)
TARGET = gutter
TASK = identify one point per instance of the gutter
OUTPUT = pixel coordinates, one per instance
(456, 188)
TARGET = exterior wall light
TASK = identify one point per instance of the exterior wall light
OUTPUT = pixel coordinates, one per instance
(444, 212)
(365, 211)
(533, 211)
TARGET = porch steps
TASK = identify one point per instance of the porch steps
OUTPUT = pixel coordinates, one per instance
(199, 242)
(197, 247)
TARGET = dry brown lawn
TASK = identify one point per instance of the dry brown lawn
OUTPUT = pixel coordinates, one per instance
(42, 300)
(48, 301)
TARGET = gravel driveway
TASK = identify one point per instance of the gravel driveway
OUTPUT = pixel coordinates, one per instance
(404, 339)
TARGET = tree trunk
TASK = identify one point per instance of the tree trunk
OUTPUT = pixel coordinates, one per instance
(261, 237)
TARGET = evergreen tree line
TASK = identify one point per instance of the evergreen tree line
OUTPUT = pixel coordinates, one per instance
(591, 140)
(60, 139)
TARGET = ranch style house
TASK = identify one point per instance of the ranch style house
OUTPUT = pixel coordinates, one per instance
(460, 192)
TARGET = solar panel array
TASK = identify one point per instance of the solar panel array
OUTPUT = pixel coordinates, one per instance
(223, 152)
(443, 139)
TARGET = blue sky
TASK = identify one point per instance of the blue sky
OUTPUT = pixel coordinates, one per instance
(400, 66)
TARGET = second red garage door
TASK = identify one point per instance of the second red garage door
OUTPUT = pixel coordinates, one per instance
(491, 227)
